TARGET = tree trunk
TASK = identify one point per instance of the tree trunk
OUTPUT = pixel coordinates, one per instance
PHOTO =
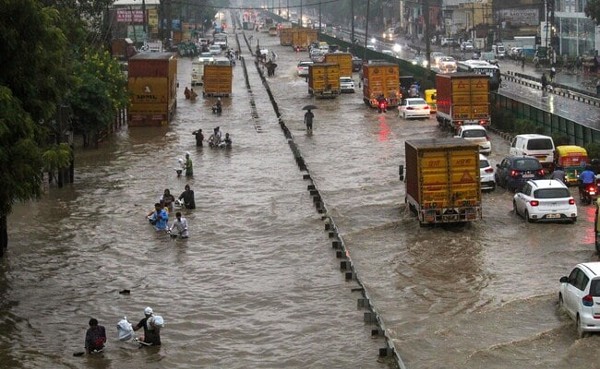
(3, 235)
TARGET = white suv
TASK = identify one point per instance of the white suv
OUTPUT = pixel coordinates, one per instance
(346, 84)
(579, 297)
(545, 199)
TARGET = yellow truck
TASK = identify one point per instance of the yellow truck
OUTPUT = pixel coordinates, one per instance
(462, 98)
(152, 85)
(285, 36)
(217, 80)
(324, 80)
(303, 37)
(442, 180)
(344, 60)
(381, 78)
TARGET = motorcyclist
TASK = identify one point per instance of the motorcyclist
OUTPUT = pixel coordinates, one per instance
(381, 103)
(587, 177)
(218, 107)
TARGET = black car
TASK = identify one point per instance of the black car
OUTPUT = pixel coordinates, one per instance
(514, 171)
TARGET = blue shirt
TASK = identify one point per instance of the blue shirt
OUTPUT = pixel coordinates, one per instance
(161, 217)
(587, 177)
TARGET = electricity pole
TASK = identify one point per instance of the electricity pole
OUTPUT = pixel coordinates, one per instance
(366, 31)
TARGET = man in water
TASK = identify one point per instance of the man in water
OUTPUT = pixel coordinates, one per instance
(228, 141)
(95, 337)
(180, 226)
(189, 168)
(188, 198)
(151, 332)
(199, 137)
(159, 217)
(308, 120)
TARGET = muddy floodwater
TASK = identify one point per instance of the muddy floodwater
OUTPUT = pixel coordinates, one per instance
(257, 284)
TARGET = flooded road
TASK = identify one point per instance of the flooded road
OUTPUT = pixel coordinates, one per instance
(257, 285)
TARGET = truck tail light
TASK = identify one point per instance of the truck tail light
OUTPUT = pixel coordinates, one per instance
(534, 203)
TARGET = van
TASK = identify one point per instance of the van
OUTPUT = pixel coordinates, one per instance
(539, 146)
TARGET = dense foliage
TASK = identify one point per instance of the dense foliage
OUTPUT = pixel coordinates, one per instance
(592, 10)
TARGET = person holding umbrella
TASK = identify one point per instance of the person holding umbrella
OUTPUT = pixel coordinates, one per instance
(308, 117)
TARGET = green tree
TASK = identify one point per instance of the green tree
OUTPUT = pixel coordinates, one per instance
(100, 90)
(20, 159)
(33, 80)
(592, 10)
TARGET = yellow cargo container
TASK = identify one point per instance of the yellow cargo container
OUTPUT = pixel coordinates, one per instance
(302, 37)
(217, 80)
(324, 80)
(285, 36)
(344, 60)
(380, 78)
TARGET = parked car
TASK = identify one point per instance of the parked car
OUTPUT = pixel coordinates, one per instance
(303, 68)
(514, 171)
(346, 84)
(545, 199)
(579, 297)
(414, 107)
(477, 134)
(486, 174)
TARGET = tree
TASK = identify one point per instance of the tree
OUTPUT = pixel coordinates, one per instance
(33, 80)
(20, 159)
(100, 90)
(592, 10)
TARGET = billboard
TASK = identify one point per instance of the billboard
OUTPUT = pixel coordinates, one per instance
(130, 16)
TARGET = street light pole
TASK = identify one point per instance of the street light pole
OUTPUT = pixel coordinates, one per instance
(319, 16)
(300, 22)
(366, 31)
(352, 24)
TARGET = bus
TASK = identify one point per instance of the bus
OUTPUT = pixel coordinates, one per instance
(481, 67)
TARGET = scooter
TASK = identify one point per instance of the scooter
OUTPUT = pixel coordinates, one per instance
(382, 106)
(588, 193)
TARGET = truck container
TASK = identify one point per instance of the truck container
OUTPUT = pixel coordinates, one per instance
(217, 80)
(381, 78)
(442, 180)
(462, 98)
(152, 84)
(344, 60)
(324, 80)
(285, 36)
(302, 37)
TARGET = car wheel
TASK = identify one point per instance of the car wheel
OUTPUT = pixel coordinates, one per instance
(526, 216)
(515, 208)
(574, 219)
(580, 332)
(493, 187)
(404, 115)
(561, 303)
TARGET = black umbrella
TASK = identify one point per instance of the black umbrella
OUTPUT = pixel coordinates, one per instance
(309, 107)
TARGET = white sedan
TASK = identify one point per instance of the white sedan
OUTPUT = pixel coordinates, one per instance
(545, 199)
(414, 107)
(486, 174)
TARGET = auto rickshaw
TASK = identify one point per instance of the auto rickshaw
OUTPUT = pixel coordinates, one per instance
(431, 99)
(573, 159)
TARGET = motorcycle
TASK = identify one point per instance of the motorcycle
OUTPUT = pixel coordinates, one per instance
(382, 106)
(588, 193)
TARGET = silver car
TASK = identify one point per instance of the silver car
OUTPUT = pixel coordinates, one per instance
(346, 84)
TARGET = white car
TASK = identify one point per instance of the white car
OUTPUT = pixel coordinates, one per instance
(414, 107)
(486, 174)
(346, 84)
(447, 64)
(215, 50)
(579, 297)
(467, 46)
(476, 133)
(545, 199)
(303, 67)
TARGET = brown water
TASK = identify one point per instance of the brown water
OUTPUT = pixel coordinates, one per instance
(257, 285)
